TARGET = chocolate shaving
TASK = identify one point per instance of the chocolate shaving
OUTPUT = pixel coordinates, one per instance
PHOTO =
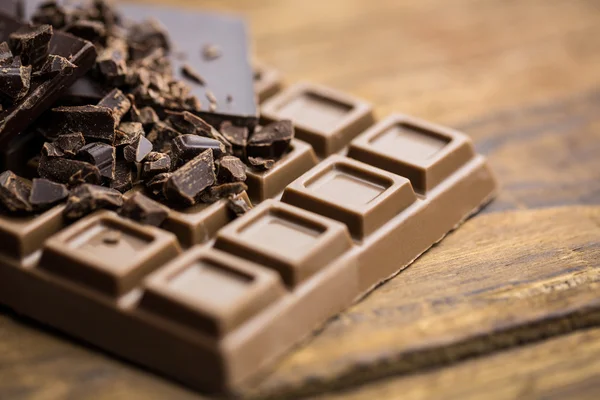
(189, 72)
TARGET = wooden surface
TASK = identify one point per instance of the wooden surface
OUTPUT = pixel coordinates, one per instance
(467, 319)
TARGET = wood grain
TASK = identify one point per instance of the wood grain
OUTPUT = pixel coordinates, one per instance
(523, 79)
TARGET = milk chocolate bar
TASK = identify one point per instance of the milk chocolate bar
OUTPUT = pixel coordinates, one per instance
(202, 297)
(44, 90)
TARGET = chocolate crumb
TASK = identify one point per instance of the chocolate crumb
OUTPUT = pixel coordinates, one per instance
(211, 52)
(189, 72)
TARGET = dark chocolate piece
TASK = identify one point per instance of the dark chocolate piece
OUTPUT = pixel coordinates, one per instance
(67, 171)
(186, 147)
(31, 43)
(51, 13)
(124, 176)
(43, 93)
(94, 122)
(15, 81)
(272, 141)
(14, 193)
(189, 72)
(155, 163)
(147, 36)
(101, 155)
(211, 52)
(55, 65)
(137, 151)
(6, 56)
(128, 133)
(70, 143)
(261, 164)
(238, 205)
(52, 150)
(144, 210)
(87, 198)
(188, 123)
(112, 62)
(187, 183)
(236, 135)
(93, 31)
(45, 193)
(161, 136)
(231, 169)
(223, 191)
(156, 185)
(117, 102)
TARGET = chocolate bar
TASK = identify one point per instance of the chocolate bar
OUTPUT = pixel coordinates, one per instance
(212, 300)
(43, 92)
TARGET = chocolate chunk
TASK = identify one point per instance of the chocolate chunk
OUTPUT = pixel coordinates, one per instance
(145, 115)
(124, 176)
(238, 205)
(45, 193)
(87, 198)
(15, 81)
(261, 164)
(144, 210)
(156, 185)
(186, 147)
(137, 151)
(128, 133)
(14, 193)
(111, 63)
(272, 141)
(52, 150)
(188, 123)
(231, 169)
(101, 155)
(211, 52)
(236, 135)
(156, 163)
(68, 171)
(32, 44)
(117, 102)
(226, 190)
(70, 143)
(147, 36)
(94, 122)
(189, 72)
(187, 183)
(161, 136)
(93, 31)
(55, 65)
(6, 56)
(50, 13)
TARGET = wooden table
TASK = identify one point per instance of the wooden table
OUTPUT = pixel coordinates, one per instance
(508, 306)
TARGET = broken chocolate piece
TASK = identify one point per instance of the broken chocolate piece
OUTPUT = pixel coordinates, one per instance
(124, 175)
(68, 171)
(70, 143)
(189, 72)
(187, 183)
(45, 193)
(94, 122)
(55, 65)
(6, 56)
(272, 141)
(238, 205)
(186, 147)
(142, 209)
(147, 36)
(87, 198)
(93, 31)
(32, 43)
(101, 155)
(236, 135)
(226, 190)
(15, 81)
(14, 193)
(137, 151)
(156, 185)
(261, 164)
(117, 102)
(188, 123)
(50, 13)
(156, 163)
(52, 150)
(112, 62)
(211, 52)
(161, 136)
(128, 133)
(231, 169)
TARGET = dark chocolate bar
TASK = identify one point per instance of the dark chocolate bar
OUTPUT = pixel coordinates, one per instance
(43, 93)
